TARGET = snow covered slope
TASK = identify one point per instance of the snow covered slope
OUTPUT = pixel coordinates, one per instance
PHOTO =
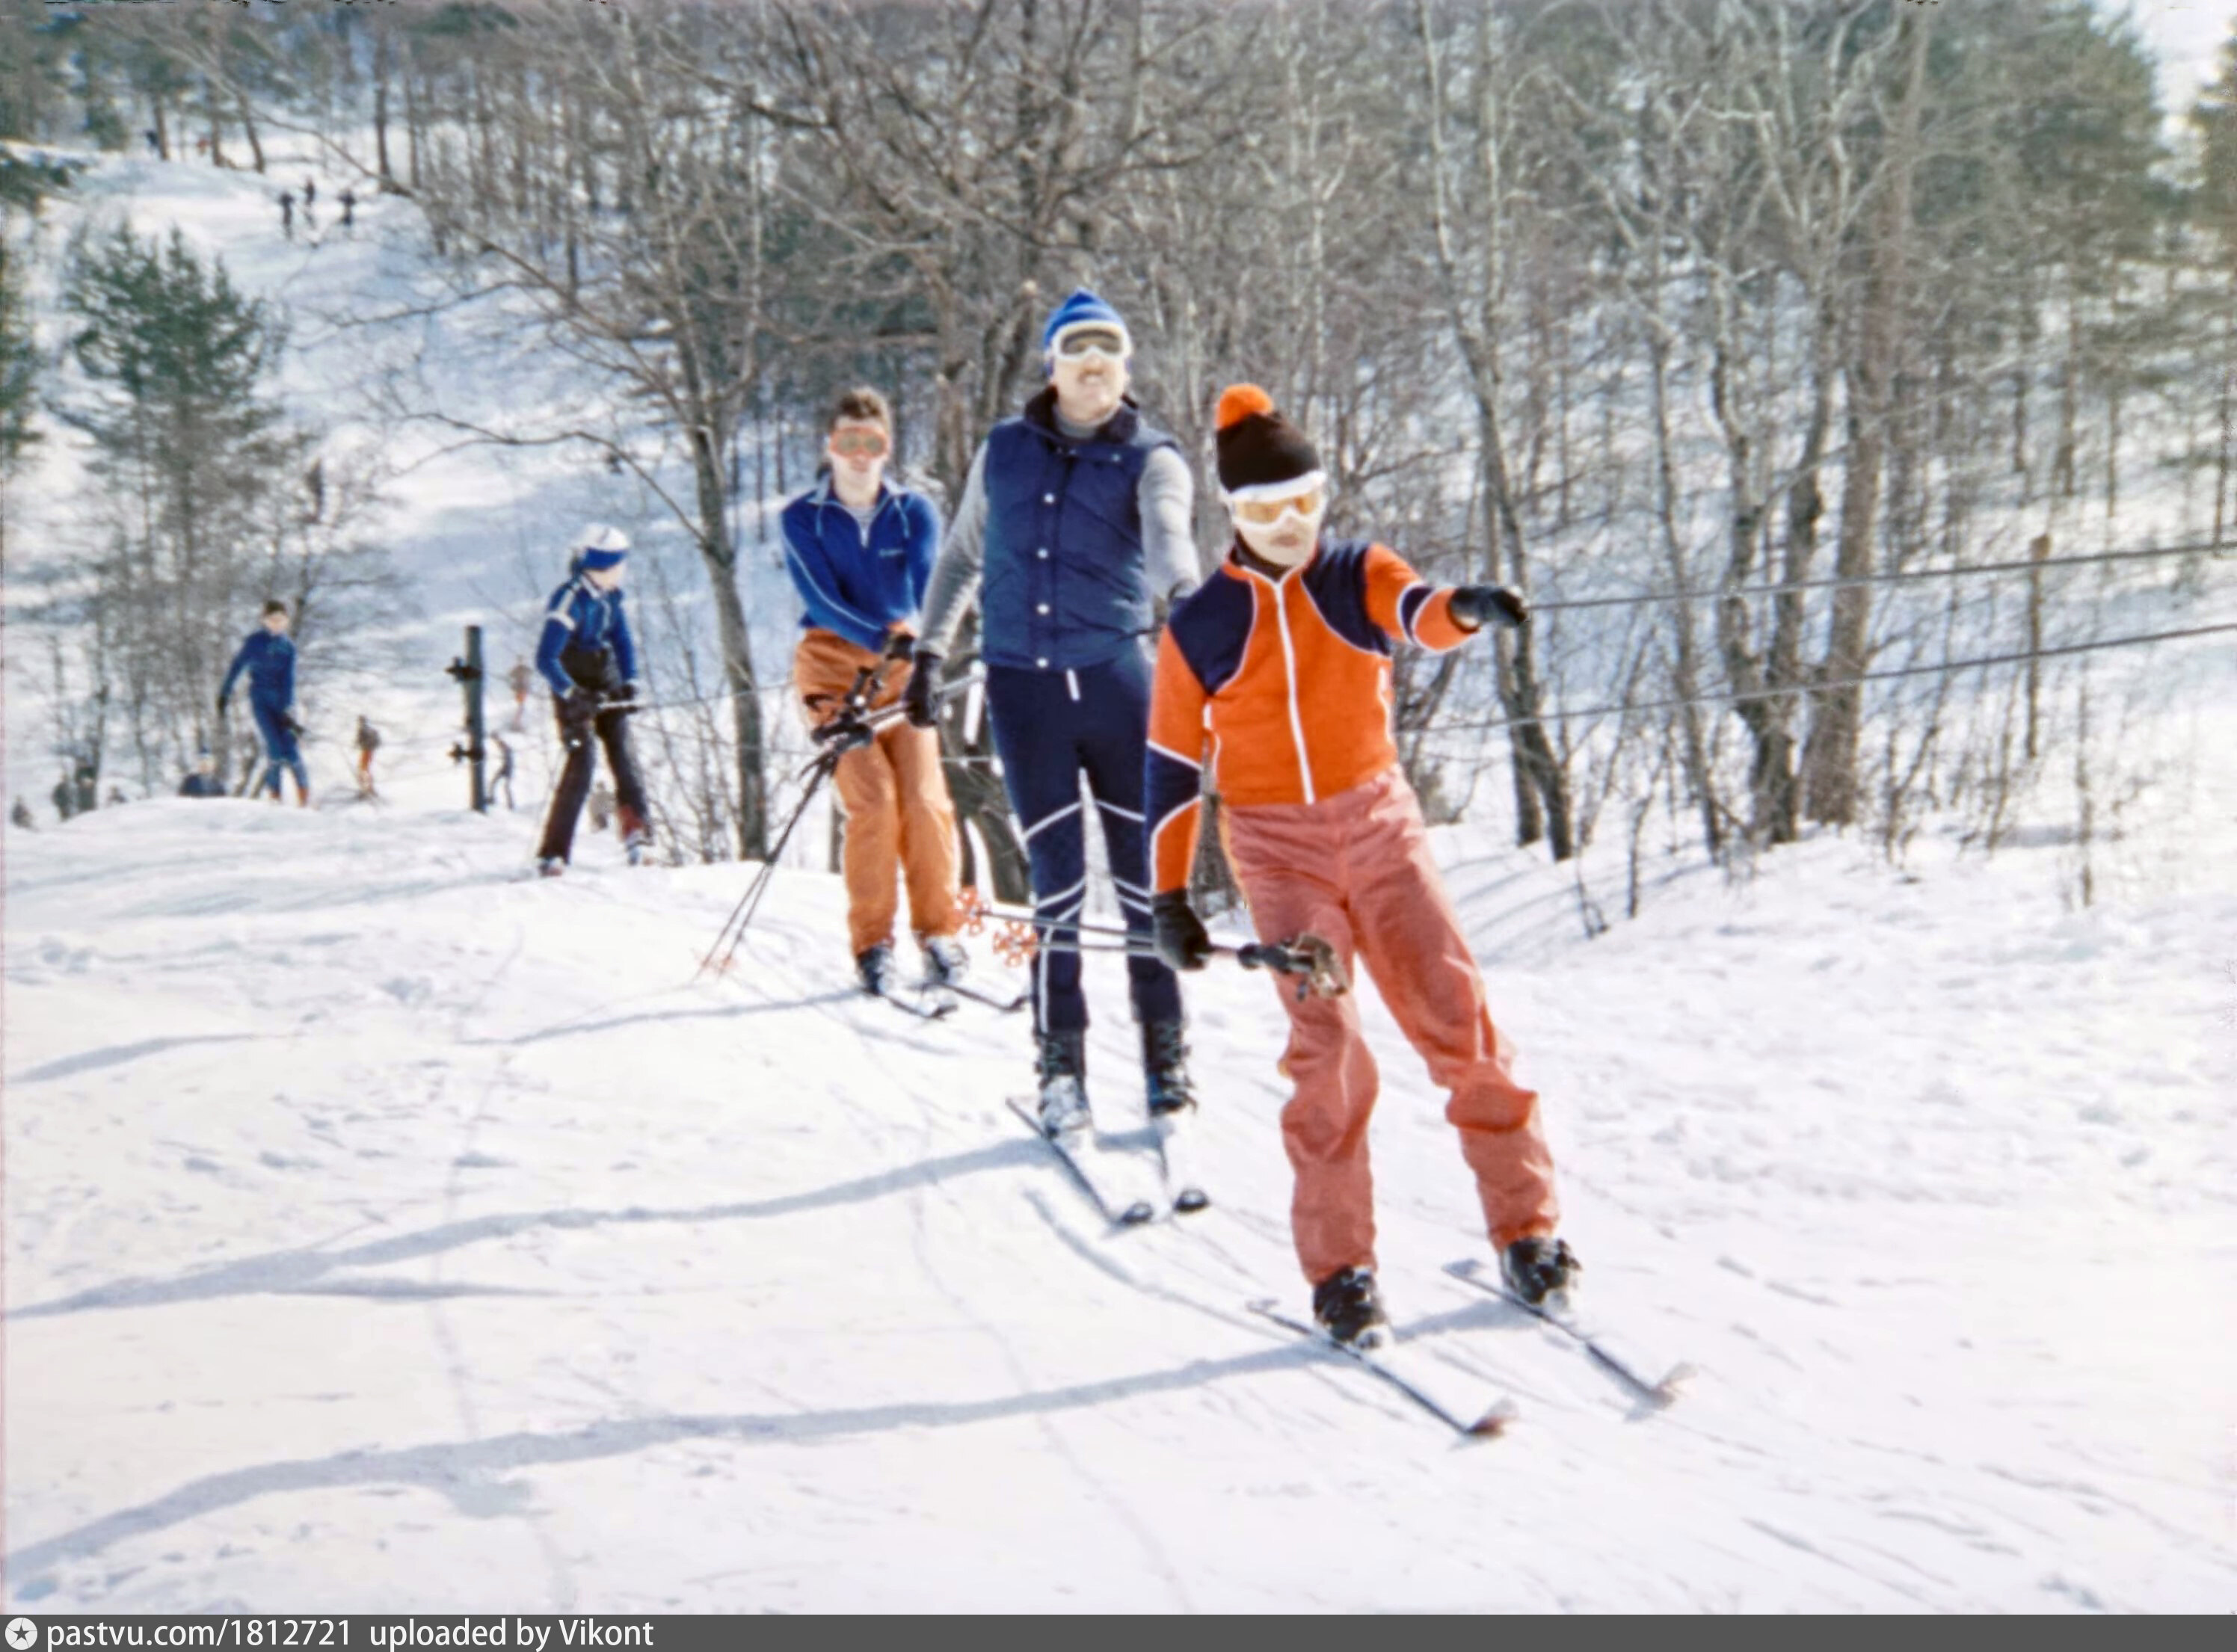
(386, 1231)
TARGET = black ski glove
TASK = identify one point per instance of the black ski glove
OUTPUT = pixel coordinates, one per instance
(1477, 606)
(843, 733)
(898, 643)
(294, 727)
(921, 701)
(625, 698)
(1181, 940)
(577, 711)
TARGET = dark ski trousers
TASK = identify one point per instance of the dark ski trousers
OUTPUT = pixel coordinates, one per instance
(594, 670)
(281, 750)
(1050, 728)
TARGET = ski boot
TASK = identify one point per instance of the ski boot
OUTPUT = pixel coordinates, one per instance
(1062, 1067)
(1539, 1268)
(1165, 1068)
(636, 837)
(1350, 1308)
(874, 968)
(946, 963)
(550, 867)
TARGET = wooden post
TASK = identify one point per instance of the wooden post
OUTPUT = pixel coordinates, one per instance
(470, 675)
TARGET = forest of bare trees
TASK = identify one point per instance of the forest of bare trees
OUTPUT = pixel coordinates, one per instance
(1780, 313)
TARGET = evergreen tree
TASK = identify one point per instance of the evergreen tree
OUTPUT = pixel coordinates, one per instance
(188, 445)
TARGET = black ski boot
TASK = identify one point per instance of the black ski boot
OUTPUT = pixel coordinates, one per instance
(874, 968)
(1351, 1309)
(946, 963)
(1537, 1268)
(1165, 1068)
(1062, 1068)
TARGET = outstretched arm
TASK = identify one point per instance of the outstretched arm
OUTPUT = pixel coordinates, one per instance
(1407, 607)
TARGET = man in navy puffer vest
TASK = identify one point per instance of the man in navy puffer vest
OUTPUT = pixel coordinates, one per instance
(1073, 527)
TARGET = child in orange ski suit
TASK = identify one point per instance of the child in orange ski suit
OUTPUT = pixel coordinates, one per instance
(1281, 662)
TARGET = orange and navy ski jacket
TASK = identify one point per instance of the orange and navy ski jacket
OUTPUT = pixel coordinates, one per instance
(1289, 679)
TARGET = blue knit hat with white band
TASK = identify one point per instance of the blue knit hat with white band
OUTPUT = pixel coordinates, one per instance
(1082, 309)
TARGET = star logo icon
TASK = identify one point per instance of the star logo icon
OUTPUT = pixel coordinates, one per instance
(22, 1635)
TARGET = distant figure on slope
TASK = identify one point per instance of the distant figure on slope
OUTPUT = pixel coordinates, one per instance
(521, 679)
(504, 775)
(587, 656)
(1073, 527)
(1282, 663)
(349, 208)
(20, 815)
(287, 214)
(202, 780)
(63, 797)
(368, 742)
(269, 659)
(860, 551)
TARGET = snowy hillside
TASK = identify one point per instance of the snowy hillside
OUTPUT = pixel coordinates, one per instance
(386, 1230)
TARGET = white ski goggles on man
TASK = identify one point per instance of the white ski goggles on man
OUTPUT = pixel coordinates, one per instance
(1093, 337)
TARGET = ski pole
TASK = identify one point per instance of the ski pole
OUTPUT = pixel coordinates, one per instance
(873, 718)
(840, 735)
(1319, 972)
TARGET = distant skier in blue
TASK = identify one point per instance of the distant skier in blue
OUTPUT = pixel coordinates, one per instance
(588, 657)
(269, 659)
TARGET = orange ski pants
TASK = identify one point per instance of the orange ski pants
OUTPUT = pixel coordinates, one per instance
(894, 796)
(1355, 869)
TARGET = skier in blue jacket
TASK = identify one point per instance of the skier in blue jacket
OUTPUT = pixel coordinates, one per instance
(269, 659)
(587, 656)
(1074, 527)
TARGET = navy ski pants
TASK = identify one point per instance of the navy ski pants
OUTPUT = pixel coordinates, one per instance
(1050, 728)
(281, 750)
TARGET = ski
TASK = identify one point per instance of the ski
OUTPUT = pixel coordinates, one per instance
(1076, 1149)
(925, 1003)
(1627, 1367)
(1411, 1375)
(1177, 1154)
(980, 994)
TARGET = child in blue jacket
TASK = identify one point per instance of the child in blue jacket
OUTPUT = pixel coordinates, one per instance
(588, 657)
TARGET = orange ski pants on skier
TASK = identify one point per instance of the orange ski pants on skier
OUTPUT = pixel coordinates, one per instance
(1355, 869)
(894, 795)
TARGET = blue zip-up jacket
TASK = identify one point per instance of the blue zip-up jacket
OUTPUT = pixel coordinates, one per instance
(580, 615)
(269, 659)
(856, 583)
(1064, 585)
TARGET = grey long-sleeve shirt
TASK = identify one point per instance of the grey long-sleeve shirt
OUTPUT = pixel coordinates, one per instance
(1165, 494)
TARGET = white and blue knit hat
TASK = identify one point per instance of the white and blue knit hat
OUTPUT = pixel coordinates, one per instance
(600, 547)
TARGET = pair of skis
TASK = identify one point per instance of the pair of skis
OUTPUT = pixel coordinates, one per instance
(936, 1000)
(1440, 1391)
(1091, 1164)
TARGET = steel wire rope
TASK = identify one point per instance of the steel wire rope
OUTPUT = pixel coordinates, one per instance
(1907, 576)
(1737, 697)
